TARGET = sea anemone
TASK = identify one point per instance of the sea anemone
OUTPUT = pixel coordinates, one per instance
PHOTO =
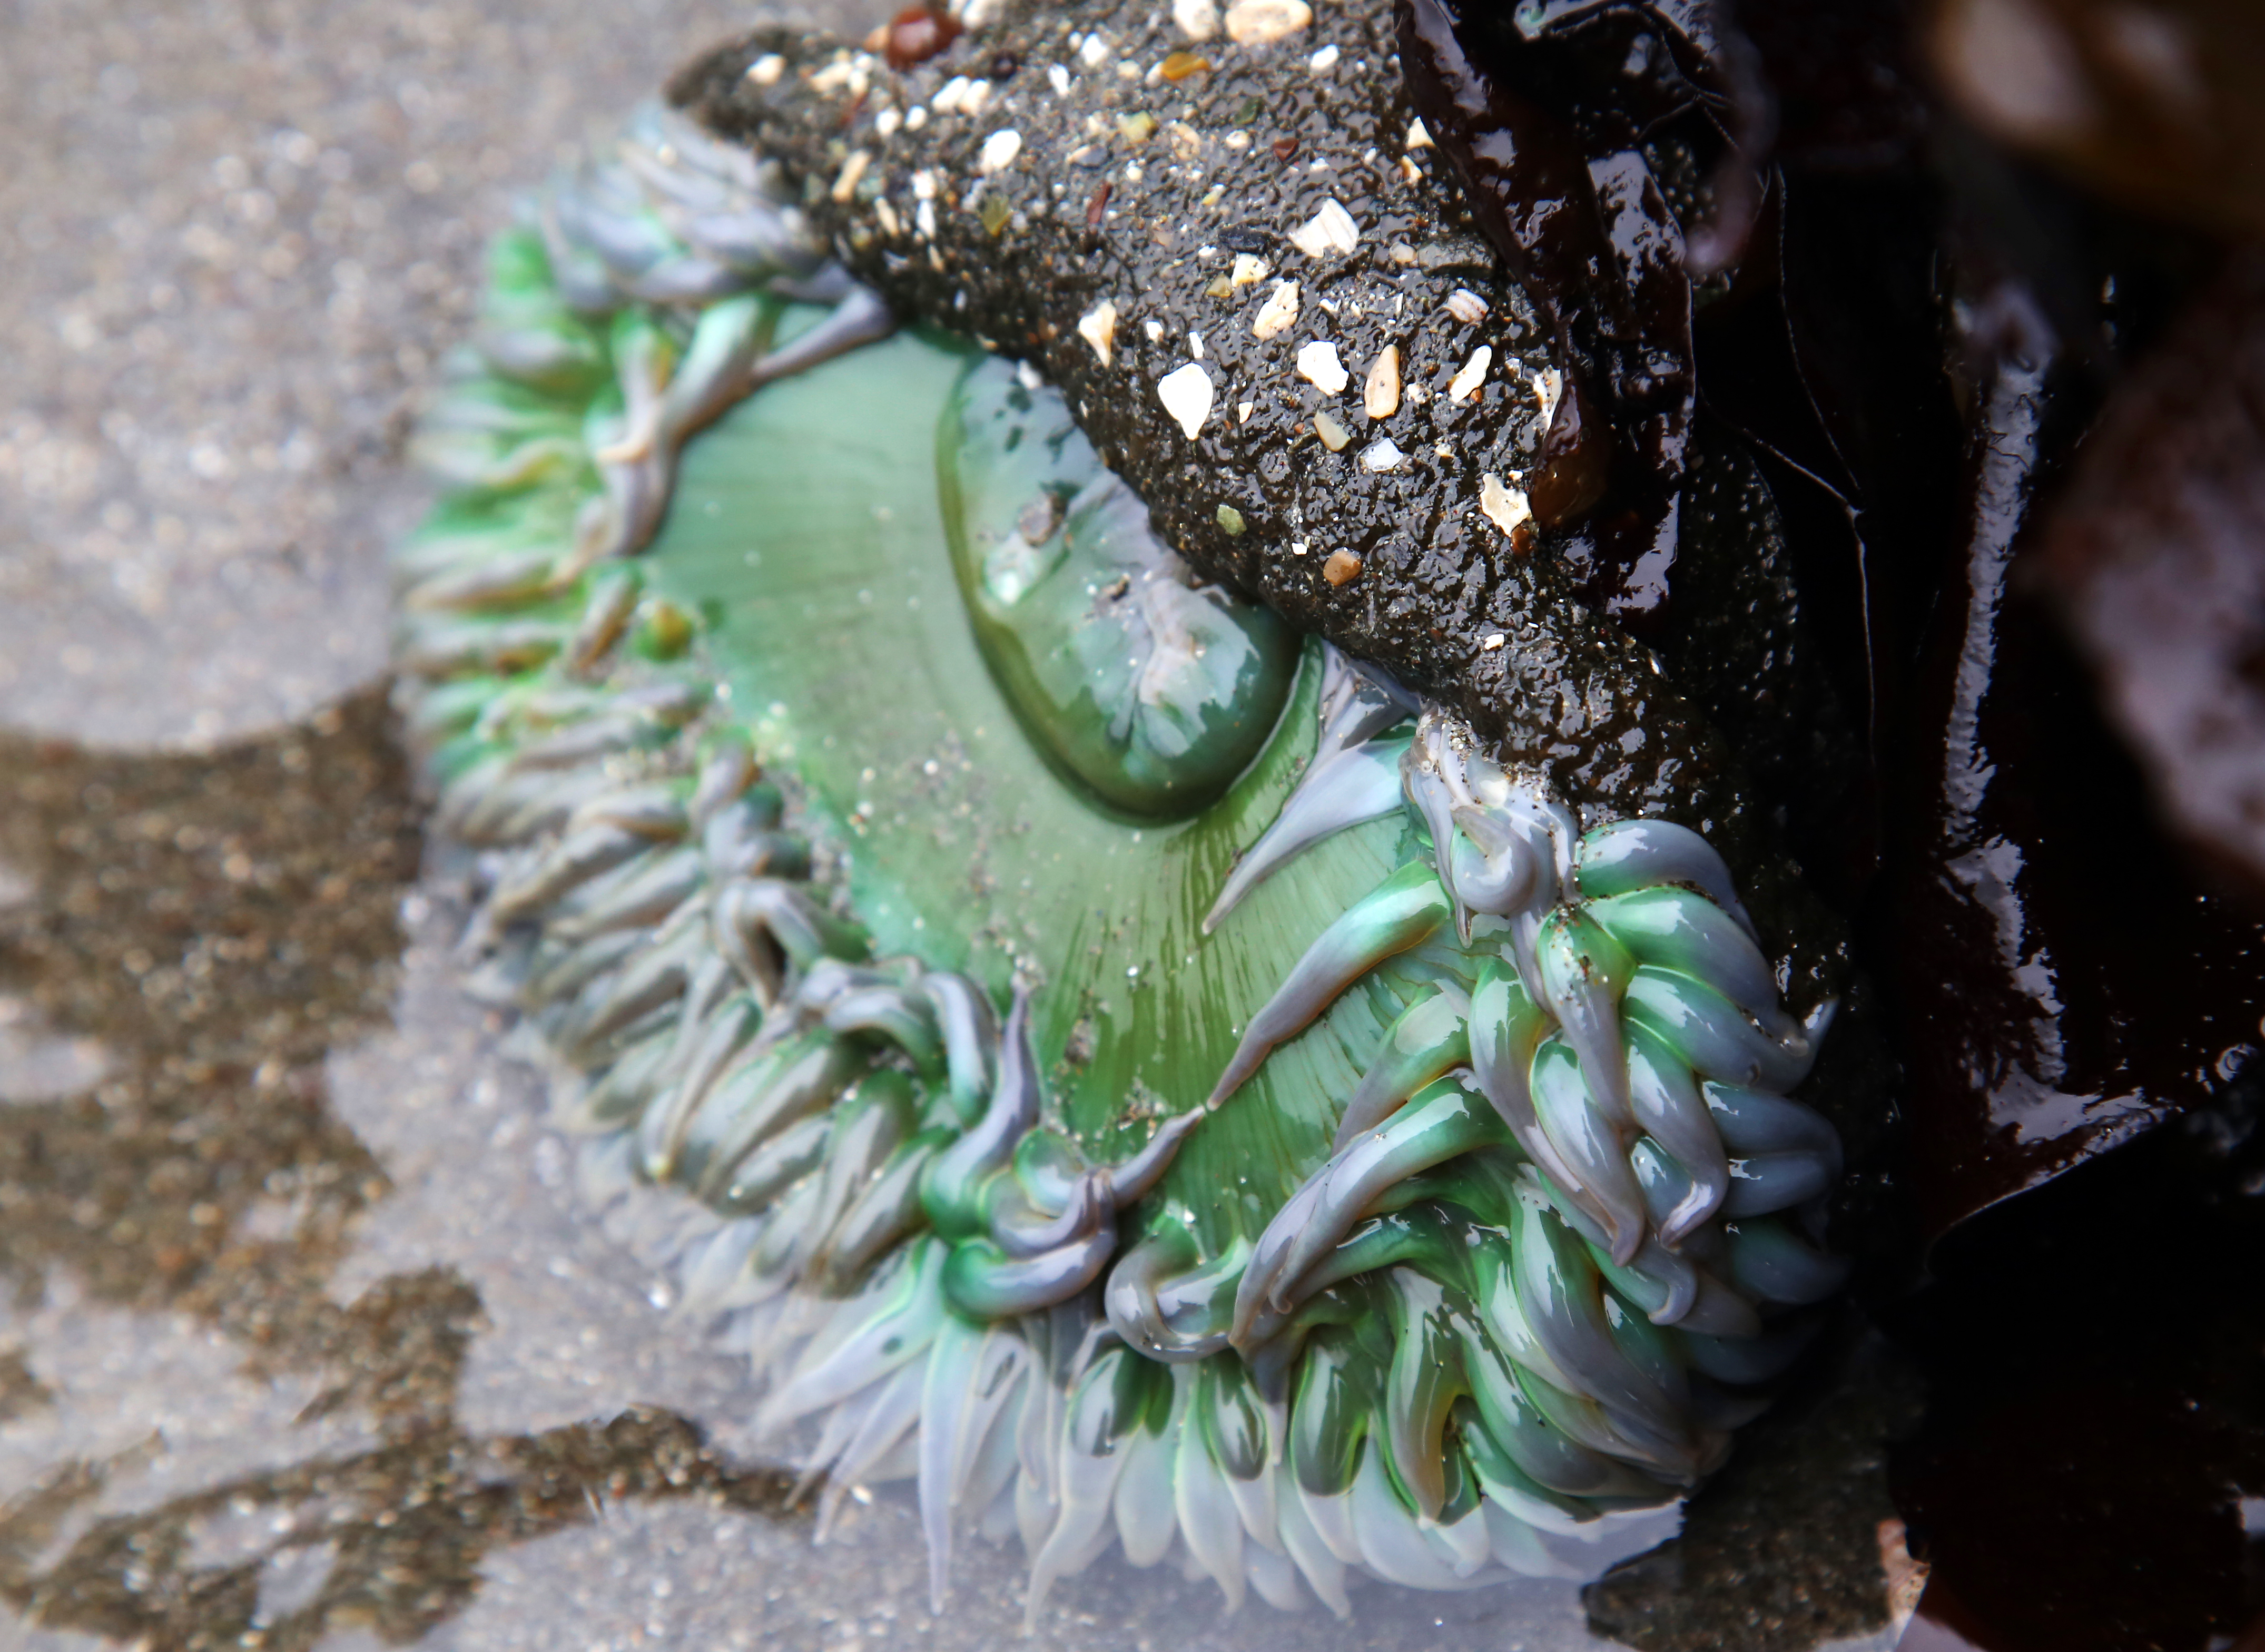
(1143, 1074)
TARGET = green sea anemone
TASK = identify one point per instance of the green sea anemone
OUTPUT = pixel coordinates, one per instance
(1140, 1073)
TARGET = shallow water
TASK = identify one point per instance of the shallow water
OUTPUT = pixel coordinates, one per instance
(306, 1340)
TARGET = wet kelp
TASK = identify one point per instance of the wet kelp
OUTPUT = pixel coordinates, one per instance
(2152, 558)
(2087, 1492)
(2068, 1048)
(1907, 331)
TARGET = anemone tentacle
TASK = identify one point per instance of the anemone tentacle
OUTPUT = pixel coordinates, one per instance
(1556, 1230)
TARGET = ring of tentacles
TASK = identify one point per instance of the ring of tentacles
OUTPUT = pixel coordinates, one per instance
(1134, 1072)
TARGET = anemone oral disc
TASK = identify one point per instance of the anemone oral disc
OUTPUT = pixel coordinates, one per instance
(809, 530)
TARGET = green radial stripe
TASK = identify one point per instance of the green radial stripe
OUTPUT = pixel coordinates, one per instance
(806, 530)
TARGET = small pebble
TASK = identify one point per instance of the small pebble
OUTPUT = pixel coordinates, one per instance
(1341, 568)
(852, 170)
(1466, 384)
(998, 150)
(1186, 394)
(916, 34)
(1198, 19)
(1278, 313)
(1548, 386)
(1504, 506)
(1265, 22)
(1334, 435)
(1466, 307)
(1098, 328)
(1380, 393)
(1331, 229)
(1318, 365)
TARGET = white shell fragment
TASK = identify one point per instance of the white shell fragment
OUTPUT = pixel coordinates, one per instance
(1277, 313)
(1548, 387)
(1249, 270)
(1331, 229)
(1264, 22)
(1466, 307)
(1380, 393)
(1323, 60)
(961, 96)
(1504, 506)
(852, 170)
(1098, 328)
(1000, 149)
(1185, 393)
(1419, 135)
(1383, 453)
(1318, 365)
(1466, 384)
(766, 69)
(1195, 19)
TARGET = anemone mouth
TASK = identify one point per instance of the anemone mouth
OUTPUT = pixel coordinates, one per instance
(1152, 1082)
